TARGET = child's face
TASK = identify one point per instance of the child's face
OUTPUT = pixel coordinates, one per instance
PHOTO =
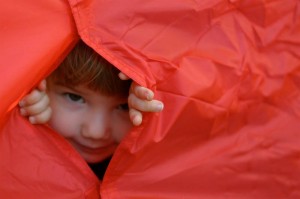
(93, 123)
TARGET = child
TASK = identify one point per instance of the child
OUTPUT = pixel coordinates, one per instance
(89, 105)
(36, 104)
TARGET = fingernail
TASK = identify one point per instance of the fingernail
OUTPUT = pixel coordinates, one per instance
(32, 120)
(149, 96)
(137, 121)
(22, 111)
(160, 106)
(21, 103)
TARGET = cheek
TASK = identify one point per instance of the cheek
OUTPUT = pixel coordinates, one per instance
(62, 122)
(121, 126)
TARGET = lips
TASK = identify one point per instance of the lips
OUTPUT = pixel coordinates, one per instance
(91, 148)
(88, 148)
(94, 153)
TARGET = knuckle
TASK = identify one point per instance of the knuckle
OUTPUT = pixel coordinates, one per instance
(34, 96)
(139, 90)
(46, 99)
(38, 107)
(44, 116)
(132, 100)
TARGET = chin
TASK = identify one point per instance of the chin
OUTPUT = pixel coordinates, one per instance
(97, 156)
(95, 159)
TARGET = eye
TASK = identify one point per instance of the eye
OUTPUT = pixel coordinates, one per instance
(123, 107)
(74, 97)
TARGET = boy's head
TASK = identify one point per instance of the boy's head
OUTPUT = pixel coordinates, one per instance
(83, 66)
(89, 103)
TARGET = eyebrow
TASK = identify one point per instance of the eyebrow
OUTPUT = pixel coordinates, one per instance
(72, 88)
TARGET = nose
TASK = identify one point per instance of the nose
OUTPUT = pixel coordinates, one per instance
(96, 126)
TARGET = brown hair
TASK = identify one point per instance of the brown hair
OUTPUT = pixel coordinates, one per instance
(83, 66)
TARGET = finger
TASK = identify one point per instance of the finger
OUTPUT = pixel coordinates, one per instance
(36, 108)
(142, 92)
(143, 105)
(122, 76)
(136, 117)
(32, 98)
(41, 118)
(42, 85)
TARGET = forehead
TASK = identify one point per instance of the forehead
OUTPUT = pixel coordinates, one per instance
(107, 83)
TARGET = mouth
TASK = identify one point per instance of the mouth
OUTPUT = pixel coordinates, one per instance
(93, 153)
(92, 148)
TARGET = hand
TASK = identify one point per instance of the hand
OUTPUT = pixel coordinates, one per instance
(140, 100)
(35, 105)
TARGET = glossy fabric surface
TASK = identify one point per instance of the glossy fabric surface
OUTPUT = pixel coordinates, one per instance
(228, 73)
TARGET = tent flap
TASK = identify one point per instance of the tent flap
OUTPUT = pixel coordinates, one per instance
(228, 73)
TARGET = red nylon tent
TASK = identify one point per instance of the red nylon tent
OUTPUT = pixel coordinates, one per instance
(227, 71)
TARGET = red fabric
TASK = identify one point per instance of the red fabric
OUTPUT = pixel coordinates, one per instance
(38, 163)
(34, 37)
(227, 71)
(35, 162)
